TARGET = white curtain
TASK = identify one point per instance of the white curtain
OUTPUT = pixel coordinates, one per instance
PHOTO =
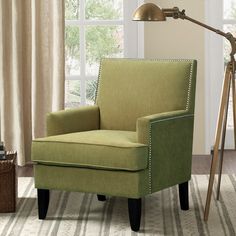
(31, 70)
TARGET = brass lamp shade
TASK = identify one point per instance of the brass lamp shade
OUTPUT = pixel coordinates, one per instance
(149, 12)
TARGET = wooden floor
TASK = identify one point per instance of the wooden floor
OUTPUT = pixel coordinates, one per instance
(200, 165)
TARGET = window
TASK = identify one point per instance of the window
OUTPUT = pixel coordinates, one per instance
(95, 29)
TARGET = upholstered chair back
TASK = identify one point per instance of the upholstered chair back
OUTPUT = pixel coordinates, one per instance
(130, 88)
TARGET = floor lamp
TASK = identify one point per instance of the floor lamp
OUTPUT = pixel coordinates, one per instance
(151, 12)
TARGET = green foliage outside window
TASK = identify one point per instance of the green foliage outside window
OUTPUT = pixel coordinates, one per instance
(91, 90)
(103, 9)
(101, 42)
(71, 9)
(72, 53)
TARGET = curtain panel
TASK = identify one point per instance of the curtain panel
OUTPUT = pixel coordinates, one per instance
(31, 70)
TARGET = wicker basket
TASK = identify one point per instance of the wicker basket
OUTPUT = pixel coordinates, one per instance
(8, 183)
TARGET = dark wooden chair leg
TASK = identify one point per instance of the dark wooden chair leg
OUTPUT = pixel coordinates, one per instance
(134, 206)
(101, 198)
(183, 196)
(43, 201)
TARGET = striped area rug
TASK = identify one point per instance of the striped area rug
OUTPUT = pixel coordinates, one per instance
(81, 214)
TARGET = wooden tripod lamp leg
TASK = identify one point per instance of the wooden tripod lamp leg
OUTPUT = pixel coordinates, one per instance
(224, 96)
(223, 141)
(224, 130)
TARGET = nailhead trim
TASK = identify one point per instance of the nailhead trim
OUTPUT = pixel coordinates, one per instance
(150, 160)
(189, 86)
(99, 80)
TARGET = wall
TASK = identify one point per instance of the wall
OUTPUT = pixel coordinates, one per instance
(182, 39)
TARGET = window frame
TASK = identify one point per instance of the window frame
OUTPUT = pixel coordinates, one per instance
(133, 40)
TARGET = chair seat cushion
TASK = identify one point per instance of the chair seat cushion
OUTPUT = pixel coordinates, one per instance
(100, 149)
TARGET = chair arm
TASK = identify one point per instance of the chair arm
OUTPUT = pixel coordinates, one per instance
(169, 136)
(73, 120)
(144, 123)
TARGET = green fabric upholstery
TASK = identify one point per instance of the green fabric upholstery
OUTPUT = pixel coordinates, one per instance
(136, 140)
(113, 183)
(101, 149)
(137, 88)
(73, 120)
(169, 136)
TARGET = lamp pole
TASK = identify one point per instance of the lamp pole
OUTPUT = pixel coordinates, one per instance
(151, 12)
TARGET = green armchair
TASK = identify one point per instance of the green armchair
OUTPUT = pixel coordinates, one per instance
(136, 139)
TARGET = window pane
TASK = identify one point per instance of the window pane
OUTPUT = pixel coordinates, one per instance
(71, 9)
(102, 41)
(104, 9)
(229, 9)
(72, 93)
(72, 52)
(91, 87)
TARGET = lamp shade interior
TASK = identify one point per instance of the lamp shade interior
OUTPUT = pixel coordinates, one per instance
(149, 12)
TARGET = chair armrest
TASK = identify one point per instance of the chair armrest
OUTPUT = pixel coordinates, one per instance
(73, 120)
(144, 123)
(169, 136)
